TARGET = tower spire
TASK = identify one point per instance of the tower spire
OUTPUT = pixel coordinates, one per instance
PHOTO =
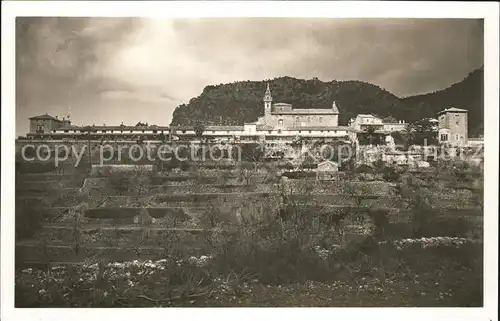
(267, 101)
(267, 95)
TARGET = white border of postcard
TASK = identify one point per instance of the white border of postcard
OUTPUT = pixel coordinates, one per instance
(333, 9)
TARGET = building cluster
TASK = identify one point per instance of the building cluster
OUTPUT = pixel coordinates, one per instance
(281, 122)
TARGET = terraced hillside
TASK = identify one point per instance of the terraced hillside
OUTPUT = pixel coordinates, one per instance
(122, 217)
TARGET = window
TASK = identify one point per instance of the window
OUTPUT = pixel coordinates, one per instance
(321, 119)
(456, 136)
(280, 122)
(104, 131)
(308, 119)
(444, 137)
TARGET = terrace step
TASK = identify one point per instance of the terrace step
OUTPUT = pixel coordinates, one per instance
(64, 200)
(34, 251)
(125, 215)
(47, 191)
(125, 235)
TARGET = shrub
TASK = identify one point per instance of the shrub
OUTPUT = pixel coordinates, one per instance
(28, 219)
(118, 181)
(390, 174)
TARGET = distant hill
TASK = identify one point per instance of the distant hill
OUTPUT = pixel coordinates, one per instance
(467, 94)
(240, 102)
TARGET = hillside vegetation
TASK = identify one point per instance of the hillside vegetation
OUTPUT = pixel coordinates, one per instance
(467, 94)
(240, 102)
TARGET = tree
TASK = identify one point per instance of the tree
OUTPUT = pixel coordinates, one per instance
(371, 134)
(408, 136)
(390, 119)
(199, 128)
(252, 152)
(424, 133)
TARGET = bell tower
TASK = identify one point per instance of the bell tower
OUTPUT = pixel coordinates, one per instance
(268, 99)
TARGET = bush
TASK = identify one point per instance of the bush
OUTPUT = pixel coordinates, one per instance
(28, 219)
(390, 174)
(118, 181)
(365, 169)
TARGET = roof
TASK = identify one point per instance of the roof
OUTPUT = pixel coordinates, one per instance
(366, 116)
(239, 128)
(453, 110)
(302, 111)
(318, 128)
(328, 162)
(69, 127)
(123, 127)
(46, 117)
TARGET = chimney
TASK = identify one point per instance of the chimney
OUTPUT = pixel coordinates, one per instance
(57, 117)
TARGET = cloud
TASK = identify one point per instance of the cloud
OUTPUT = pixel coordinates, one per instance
(141, 96)
(144, 68)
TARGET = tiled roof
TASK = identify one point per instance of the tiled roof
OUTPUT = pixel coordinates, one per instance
(318, 128)
(366, 116)
(301, 111)
(45, 117)
(125, 127)
(224, 128)
(453, 110)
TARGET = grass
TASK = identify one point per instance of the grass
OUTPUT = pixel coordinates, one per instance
(376, 275)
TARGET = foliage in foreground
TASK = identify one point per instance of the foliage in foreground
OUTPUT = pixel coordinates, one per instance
(441, 273)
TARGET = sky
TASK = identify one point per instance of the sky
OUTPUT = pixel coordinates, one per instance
(114, 70)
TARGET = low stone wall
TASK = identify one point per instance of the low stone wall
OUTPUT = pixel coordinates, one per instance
(104, 169)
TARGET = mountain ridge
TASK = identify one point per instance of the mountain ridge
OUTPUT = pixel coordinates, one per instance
(241, 101)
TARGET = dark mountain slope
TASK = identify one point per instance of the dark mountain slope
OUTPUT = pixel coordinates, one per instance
(467, 94)
(240, 102)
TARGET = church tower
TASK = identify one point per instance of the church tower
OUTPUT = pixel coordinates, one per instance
(268, 99)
